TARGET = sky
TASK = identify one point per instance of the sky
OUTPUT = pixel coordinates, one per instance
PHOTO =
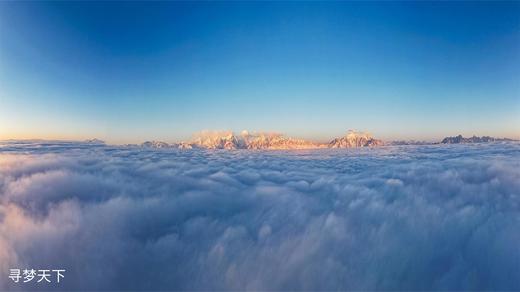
(126, 72)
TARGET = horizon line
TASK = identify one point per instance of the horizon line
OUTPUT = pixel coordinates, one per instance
(192, 140)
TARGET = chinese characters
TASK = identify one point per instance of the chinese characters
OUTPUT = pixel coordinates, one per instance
(42, 275)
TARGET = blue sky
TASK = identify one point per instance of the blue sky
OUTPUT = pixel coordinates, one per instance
(134, 71)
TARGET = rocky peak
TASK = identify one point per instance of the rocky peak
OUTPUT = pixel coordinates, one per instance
(475, 139)
(155, 144)
(355, 139)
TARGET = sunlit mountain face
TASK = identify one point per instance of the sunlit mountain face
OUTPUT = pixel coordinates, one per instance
(414, 217)
(264, 140)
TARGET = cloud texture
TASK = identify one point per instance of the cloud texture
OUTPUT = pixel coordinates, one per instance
(396, 217)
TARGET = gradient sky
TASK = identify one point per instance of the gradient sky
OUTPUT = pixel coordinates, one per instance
(134, 71)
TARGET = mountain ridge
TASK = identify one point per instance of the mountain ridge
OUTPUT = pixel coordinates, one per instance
(245, 140)
(474, 139)
(275, 141)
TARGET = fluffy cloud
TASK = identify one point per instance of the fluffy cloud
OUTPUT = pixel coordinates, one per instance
(403, 217)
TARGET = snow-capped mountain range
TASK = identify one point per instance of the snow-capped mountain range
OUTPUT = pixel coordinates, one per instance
(263, 140)
(246, 140)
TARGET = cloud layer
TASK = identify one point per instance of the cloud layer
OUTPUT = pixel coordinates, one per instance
(393, 218)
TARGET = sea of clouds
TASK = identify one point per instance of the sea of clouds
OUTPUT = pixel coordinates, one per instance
(389, 218)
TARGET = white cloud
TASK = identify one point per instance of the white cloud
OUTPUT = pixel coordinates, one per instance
(393, 218)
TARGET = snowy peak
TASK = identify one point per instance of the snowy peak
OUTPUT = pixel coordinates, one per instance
(277, 141)
(95, 141)
(355, 139)
(218, 140)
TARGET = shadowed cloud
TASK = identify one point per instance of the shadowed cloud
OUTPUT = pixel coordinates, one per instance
(407, 217)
